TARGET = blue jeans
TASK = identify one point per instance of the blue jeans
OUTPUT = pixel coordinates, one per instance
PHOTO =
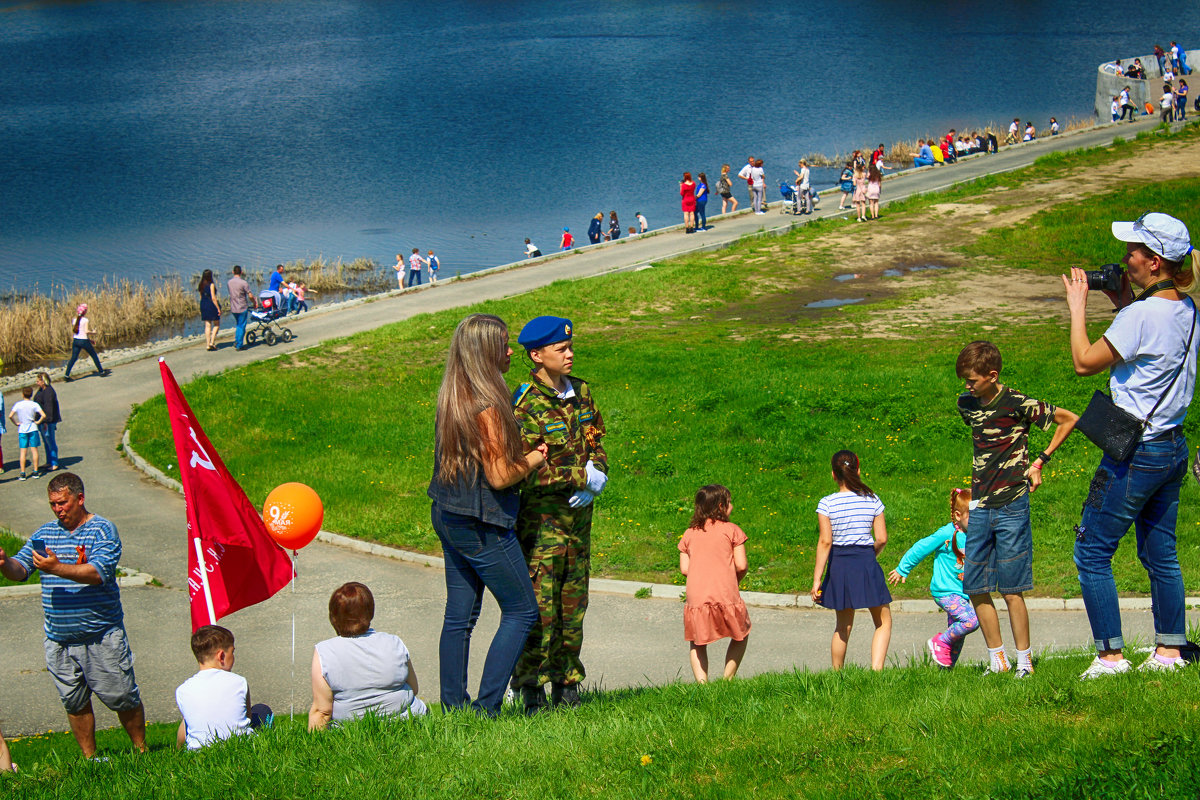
(47, 431)
(239, 327)
(999, 550)
(701, 216)
(922, 162)
(414, 278)
(480, 555)
(1144, 491)
(85, 346)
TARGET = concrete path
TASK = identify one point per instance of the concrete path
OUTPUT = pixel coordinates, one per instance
(629, 641)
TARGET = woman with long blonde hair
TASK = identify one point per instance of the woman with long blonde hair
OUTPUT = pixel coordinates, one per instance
(478, 460)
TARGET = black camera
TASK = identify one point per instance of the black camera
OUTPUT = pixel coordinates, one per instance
(1107, 278)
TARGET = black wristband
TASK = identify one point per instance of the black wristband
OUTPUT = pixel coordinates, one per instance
(1045, 457)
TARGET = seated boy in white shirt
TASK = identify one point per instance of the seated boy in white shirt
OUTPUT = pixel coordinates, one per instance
(215, 702)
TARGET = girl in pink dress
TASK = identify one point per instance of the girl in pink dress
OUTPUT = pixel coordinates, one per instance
(712, 554)
(687, 196)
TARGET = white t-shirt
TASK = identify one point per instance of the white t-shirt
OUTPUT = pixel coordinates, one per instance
(758, 177)
(803, 184)
(851, 516)
(213, 704)
(744, 172)
(26, 411)
(1124, 97)
(530, 248)
(1116, 108)
(641, 218)
(1167, 101)
(1150, 336)
(83, 329)
(1013, 128)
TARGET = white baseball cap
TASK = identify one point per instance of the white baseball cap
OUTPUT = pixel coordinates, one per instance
(1161, 233)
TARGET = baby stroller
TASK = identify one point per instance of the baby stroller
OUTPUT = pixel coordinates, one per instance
(265, 319)
(791, 203)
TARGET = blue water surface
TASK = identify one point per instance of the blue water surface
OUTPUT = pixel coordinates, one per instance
(154, 138)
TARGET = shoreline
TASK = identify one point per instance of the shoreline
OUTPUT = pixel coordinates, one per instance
(154, 347)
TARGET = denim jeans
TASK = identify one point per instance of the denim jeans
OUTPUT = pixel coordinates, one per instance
(47, 430)
(239, 327)
(999, 550)
(414, 278)
(702, 215)
(480, 555)
(1143, 490)
(82, 346)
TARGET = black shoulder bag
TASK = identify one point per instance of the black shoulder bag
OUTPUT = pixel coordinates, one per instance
(1113, 429)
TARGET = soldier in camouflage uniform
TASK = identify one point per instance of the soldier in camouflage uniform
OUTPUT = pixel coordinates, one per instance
(555, 521)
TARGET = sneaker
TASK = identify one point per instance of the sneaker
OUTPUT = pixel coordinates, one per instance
(1099, 668)
(1154, 664)
(940, 652)
(22, 477)
(1023, 672)
(36, 475)
(996, 670)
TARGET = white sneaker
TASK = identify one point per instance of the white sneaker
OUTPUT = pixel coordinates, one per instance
(1100, 668)
(1152, 664)
(999, 667)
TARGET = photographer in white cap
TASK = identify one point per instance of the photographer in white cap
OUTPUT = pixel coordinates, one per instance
(1151, 351)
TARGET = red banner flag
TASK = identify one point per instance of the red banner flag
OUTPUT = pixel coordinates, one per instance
(232, 561)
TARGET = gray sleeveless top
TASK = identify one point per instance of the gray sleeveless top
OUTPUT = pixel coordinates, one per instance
(368, 672)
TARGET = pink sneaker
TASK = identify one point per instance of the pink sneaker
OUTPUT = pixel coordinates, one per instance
(940, 652)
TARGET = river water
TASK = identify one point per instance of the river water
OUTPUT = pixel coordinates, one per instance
(150, 138)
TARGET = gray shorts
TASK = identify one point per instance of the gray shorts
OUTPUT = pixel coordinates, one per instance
(104, 667)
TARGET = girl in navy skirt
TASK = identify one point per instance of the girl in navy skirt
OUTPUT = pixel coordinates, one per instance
(852, 534)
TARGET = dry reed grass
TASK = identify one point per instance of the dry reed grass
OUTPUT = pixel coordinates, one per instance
(320, 275)
(39, 327)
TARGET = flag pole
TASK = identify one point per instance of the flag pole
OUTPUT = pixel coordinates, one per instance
(212, 614)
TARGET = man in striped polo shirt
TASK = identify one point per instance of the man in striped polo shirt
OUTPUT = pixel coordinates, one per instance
(86, 648)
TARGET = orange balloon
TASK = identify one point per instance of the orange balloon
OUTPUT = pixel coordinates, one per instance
(293, 514)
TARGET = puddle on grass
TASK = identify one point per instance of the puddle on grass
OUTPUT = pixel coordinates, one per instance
(923, 267)
(891, 273)
(834, 302)
(849, 276)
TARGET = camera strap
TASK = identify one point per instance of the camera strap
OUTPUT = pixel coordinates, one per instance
(1154, 289)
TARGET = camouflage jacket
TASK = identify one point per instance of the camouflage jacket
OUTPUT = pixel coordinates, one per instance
(572, 430)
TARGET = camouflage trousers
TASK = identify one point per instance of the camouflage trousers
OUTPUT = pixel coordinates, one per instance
(556, 541)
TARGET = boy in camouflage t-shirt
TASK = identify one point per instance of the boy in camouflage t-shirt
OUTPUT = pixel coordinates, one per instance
(999, 551)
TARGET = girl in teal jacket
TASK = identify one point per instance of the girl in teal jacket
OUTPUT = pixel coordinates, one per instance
(945, 545)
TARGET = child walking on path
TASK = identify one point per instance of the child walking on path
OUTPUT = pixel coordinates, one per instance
(999, 551)
(852, 534)
(946, 545)
(712, 554)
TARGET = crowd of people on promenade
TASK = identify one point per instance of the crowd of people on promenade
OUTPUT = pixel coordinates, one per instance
(1172, 102)
(515, 476)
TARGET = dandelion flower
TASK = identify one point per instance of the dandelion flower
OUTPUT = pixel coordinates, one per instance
(647, 760)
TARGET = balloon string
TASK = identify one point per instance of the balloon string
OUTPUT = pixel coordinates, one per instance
(293, 680)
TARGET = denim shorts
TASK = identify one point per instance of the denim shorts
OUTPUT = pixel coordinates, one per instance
(104, 667)
(999, 551)
(30, 439)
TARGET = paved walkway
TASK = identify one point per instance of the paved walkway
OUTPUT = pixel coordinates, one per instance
(629, 641)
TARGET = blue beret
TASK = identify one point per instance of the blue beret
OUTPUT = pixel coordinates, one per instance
(541, 331)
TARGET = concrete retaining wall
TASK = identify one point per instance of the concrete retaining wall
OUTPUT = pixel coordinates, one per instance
(1141, 91)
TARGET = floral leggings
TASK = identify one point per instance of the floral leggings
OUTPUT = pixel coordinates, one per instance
(960, 621)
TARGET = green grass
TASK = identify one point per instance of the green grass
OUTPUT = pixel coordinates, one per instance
(1058, 238)
(11, 543)
(699, 380)
(903, 733)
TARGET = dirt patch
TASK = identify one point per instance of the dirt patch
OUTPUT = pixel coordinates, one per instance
(887, 259)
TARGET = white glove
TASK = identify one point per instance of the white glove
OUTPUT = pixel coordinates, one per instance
(595, 478)
(581, 498)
